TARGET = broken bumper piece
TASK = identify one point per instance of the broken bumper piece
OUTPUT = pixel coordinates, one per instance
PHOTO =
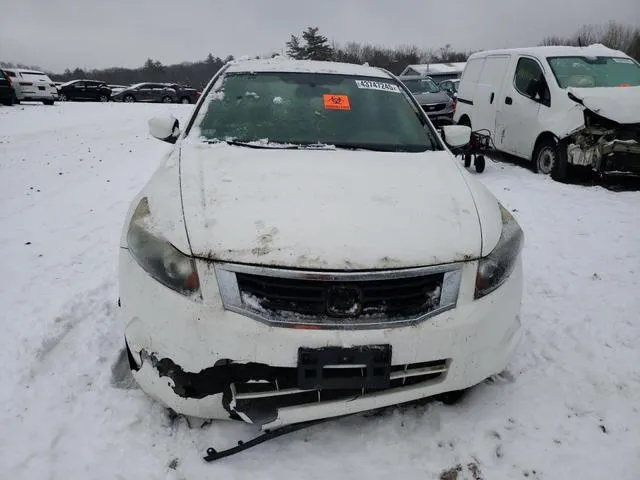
(269, 397)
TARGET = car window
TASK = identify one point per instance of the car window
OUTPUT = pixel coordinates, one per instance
(421, 85)
(310, 108)
(11, 74)
(527, 70)
(586, 72)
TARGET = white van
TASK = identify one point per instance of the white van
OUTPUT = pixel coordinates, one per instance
(31, 85)
(556, 106)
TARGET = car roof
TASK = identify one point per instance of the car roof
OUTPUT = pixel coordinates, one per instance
(305, 66)
(22, 70)
(596, 49)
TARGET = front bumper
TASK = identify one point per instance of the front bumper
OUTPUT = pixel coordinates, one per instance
(194, 356)
(442, 117)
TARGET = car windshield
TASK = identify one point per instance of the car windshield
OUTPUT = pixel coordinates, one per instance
(311, 110)
(421, 85)
(595, 71)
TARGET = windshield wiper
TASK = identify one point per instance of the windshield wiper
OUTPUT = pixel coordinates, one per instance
(276, 145)
(266, 146)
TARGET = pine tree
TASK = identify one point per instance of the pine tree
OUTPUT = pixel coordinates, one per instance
(317, 46)
(294, 49)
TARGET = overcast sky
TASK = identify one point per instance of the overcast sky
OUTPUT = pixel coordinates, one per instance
(59, 34)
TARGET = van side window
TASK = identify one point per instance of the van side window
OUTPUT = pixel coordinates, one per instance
(530, 82)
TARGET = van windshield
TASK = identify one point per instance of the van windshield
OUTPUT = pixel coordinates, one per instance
(296, 110)
(586, 72)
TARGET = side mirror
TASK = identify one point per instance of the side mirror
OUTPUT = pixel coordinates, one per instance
(456, 136)
(535, 88)
(166, 129)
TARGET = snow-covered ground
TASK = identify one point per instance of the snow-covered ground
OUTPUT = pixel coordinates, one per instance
(567, 408)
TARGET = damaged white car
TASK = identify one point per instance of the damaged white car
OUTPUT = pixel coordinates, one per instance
(310, 248)
(556, 106)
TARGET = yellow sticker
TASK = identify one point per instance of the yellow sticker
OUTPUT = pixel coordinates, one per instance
(336, 102)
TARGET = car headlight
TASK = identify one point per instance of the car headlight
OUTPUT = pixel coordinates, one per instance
(495, 268)
(159, 258)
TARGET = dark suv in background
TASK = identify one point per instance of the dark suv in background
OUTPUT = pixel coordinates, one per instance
(147, 92)
(184, 93)
(7, 93)
(91, 90)
(435, 102)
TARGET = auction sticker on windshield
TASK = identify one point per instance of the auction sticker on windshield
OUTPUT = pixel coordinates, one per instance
(373, 85)
(336, 102)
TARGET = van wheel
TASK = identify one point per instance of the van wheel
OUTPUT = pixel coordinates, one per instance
(167, 100)
(129, 98)
(551, 159)
(467, 160)
(103, 98)
(47, 102)
(479, 163)
(185, 100)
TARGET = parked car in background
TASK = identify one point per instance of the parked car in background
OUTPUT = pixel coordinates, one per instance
(31, 85)
(184, 93)
(301, 289)
(451, 87)
(438, 72)
(556, 106)
(437, 104)
(88, 90)
(7, 92)
(147, 92)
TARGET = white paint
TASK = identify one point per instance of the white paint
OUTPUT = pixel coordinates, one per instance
(345, 209)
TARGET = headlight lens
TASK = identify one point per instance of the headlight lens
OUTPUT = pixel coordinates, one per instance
(159, 258)
(495, 268)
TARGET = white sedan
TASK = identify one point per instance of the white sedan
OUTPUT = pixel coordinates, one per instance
(310, 248)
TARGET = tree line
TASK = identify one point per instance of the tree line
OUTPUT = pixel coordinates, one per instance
(313, 45)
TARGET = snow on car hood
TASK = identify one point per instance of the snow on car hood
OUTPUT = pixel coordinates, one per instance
(327, 209)
(620, 104)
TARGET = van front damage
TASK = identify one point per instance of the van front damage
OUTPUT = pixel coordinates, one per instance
(609, 140)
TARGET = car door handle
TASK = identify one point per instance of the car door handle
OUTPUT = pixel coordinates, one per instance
(508, 100)
(491, 97)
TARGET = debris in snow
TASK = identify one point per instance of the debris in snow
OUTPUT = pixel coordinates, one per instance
(277, 100)
(595, 276)
(452, 473)
(27, 243)
(173, 464)
(603, 428)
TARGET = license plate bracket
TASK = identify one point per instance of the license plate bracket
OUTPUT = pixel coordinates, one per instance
(332, 368)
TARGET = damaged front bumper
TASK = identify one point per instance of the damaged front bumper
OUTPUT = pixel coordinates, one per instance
(203, 361)
(605, 146)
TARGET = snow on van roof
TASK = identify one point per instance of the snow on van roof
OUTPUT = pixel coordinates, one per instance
(282, 64)
(596, 49)
(435, 68)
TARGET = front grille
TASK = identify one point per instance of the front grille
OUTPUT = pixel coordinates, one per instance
(338, 299)
(434, 107)
(259, 399)
(385, 298)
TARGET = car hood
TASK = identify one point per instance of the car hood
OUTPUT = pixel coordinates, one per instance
(620, 104)
(425, 98)
(327, 209)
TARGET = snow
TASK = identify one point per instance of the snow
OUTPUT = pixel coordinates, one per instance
(436, 68)
(281, 64)
(566, 408)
